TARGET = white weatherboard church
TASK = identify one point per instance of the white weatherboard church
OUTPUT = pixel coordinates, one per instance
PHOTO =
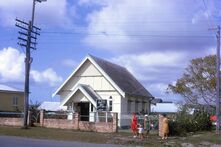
(97, 79)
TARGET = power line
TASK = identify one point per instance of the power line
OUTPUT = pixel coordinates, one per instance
(210, 20)
(131, 35)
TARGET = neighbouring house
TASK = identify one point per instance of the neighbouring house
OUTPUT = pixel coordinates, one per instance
(11, 99)
(164, 107)
(52, 106)
(99, 85)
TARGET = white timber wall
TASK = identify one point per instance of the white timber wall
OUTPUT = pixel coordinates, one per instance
(125, 115)
(88, 74)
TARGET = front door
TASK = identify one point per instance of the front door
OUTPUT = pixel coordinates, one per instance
(84, 112)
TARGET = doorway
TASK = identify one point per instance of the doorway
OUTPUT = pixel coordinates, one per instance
(84, 111)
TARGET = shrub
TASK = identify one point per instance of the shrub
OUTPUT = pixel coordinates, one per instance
(202, 120)
(185, 122)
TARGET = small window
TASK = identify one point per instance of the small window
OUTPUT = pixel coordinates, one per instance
(143, 105)
(110, 103)
(136, 106)
(129, 106)
(92, 108)
(15, 101)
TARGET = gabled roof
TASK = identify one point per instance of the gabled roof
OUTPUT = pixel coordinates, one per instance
(123, 78)
(119, 77)
(88, 92)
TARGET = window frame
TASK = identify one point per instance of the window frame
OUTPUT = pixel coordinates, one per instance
(129, 102)
(15, 101)
(110, 103)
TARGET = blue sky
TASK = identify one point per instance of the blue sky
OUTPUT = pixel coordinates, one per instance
(154, 39)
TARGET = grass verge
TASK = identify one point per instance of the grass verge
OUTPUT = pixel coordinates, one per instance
(123, 138)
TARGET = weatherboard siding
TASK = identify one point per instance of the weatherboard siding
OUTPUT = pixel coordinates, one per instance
(78, 97)
(88, 75)
(6, 101)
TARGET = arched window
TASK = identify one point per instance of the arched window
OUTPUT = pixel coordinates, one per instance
(110, 103)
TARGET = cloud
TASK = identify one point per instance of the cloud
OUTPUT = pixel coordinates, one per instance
(159, 88)
(93, 2)
(12, 69)
(11, 65)
(155, 70)
(69, 63)
(46, 76)
(132, 26)
(151, 66)
(50, 12)
(153, 59)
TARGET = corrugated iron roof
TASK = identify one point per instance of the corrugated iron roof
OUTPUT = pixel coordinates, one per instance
(51, 106)
(90, 92)
(7, 88)
(122, 77)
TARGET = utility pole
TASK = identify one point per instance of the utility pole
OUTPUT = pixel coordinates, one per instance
(218, 82)
(27, 39)
(217, 79)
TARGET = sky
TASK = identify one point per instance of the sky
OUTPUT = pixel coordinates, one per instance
(153, 39)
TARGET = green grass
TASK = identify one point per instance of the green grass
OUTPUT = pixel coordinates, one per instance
(123, 137)
(55, 134)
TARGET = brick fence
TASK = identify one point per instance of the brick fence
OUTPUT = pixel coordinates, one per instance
(76, 124)
(9, 119)
(160, 125)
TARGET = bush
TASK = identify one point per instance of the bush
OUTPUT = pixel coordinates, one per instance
(185, 122)
(202, 120)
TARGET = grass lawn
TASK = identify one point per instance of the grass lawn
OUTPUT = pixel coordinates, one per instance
(123, 137)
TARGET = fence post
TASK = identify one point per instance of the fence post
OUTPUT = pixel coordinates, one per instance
(115, 122)
(29, 118)
(106, 117)
(76, 121)
(42, 118)
(160, 125)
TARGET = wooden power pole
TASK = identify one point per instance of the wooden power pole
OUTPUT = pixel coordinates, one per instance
(27, 38)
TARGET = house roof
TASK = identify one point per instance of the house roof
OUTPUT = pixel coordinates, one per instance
(118, 76)
(122, 77)
(88, 92)
(8, 89)
(156, 100)
(51, 106)
(164, 108)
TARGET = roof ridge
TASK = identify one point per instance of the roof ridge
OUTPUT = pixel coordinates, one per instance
(95, 57)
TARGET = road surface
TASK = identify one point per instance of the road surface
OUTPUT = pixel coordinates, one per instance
(11, 141)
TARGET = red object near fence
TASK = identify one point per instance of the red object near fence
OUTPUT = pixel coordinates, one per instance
(213, 118)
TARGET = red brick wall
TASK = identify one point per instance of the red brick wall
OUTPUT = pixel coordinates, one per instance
(75, 124)
(160, 125)
(7, 121)
(96, 127)
(59, 123)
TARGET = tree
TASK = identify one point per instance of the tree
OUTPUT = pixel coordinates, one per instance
(33, 107)
(198, 83)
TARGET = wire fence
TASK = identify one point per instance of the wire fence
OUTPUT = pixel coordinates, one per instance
(153, 120)
(100, 117)
(91, 117)
(56, 115)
